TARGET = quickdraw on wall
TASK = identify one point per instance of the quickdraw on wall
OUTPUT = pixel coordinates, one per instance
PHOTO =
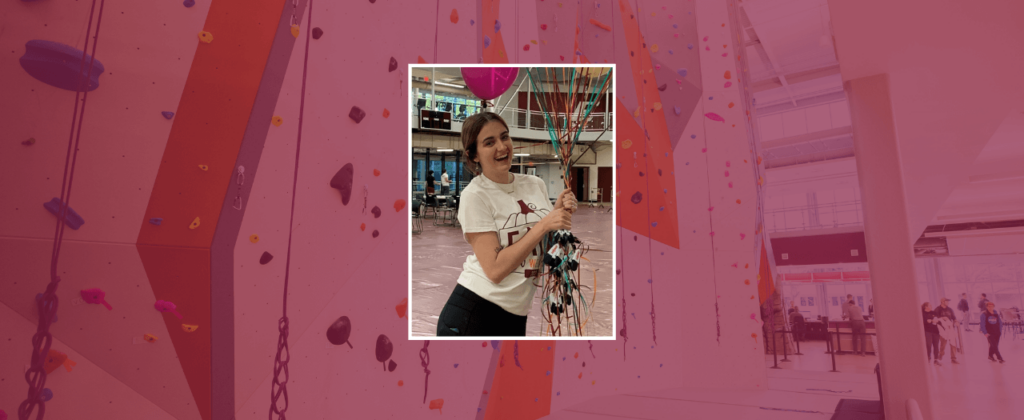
(566, 114)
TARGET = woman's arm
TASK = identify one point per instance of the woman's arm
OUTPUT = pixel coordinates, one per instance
(499, 262)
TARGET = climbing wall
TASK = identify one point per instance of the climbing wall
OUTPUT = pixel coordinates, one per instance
(219, 172)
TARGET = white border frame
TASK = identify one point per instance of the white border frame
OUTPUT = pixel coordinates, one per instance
(614, 194)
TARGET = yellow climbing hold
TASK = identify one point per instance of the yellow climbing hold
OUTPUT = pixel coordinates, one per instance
(189, 328)
(533, 41)
(654, 48)
(254, 238)
(636, 113)
(204, 167)
(627, 144)
(149, 338)
(205, 37)
(277, 121)
(195, 224)
(295, 31)
(657, 106)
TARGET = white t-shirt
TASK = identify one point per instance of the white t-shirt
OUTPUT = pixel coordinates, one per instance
(444, 179)
(510, 210)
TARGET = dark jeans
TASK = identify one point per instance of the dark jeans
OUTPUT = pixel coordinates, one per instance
(468, 314)
(931, 342)
(858, 333)
(993, 346)
(444, 190)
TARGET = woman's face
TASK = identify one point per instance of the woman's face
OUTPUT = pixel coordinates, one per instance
(494, 149)
(928, 307)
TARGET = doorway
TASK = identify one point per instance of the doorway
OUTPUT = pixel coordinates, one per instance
(580, 183)
(604, 184)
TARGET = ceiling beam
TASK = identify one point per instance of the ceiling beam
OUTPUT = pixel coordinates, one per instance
(805, 138)
(773, 60)
(798, 77)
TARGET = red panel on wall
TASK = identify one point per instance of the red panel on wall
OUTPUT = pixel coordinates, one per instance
(820, 249)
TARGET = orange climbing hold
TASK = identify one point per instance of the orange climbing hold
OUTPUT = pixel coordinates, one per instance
(728, 74)
(746, 282)
(295, 31)
(399, 204)
(189, 328)
(376, 172)
(400, 383)
(150, 338)
(419, 59)
(205, 37)
(730, 103)
(455, 16)
(438, 403)
(401, 307)
(362, 226)
(254, 238)
(195, 224)
(576, 356)
(387, 113)
(277, 121)
(737, 201)
(598, 24)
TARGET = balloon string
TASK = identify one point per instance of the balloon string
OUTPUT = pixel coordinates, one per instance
(47, 305)
(279, 385)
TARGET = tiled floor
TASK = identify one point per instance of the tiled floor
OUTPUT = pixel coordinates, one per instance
(805, 389)
(439, 252)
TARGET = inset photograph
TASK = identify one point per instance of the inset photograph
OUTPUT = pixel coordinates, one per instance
(512, 187)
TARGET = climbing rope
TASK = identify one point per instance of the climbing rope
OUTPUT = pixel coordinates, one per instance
(279, 386)
(47, 304)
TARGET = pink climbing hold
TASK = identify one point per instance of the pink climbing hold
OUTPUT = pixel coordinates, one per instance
(728, 164)
(95, 296)
(743, 236)
(711, 208)
(165, 306)
(714, 117)
(730, 185)
(727, 84)
(726, 173)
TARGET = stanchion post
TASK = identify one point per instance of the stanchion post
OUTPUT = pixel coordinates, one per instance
(785, 348)
(833, 352)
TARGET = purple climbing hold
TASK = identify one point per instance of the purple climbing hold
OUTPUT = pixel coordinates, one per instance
(487, 41)
(168, 114)
(189, 3)
(641, 173)
(317, 33)
(46, 395)
(693, 136)
(72, 219)
(663, 87)
(677, 110)
(637, 197)
(156, 220)
(376, 212)
(265, 258)
(471, 22)
(392, 65)
(690, 46)
(654, 224)
(375, 233)
(356, 114)
(339, 332)
(456, 365)
(497, 25)
(60, 65)
(384, 348)
(494, 344)
(392, 365)
(342, 181)
(675, 26)
(681, 72)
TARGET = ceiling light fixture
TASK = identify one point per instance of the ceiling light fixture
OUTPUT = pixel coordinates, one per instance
(449, 85)
(521, 154)
(445, 150)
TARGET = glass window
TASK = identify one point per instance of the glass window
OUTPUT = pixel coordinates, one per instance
(810, 301)
(835, 301)
(803, 301)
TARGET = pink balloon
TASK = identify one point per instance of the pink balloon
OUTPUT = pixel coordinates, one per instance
(489, 82)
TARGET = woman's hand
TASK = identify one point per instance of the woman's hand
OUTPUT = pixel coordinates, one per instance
(566, 200)
(557, 219)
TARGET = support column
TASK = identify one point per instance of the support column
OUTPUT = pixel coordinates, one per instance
(889, 247)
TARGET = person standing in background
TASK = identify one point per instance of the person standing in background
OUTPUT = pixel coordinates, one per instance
(871, 308)
(992, 326)
(931, 332)
(444, 182)
(797, 321)
(430, 182)
(965, 308)
(846, 303)
(983, 303)
(856, 317)
(947, 330)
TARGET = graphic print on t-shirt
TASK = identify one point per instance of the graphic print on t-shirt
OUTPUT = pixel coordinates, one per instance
(516, 226)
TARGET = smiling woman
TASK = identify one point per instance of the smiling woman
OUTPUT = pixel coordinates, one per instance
(504, 217)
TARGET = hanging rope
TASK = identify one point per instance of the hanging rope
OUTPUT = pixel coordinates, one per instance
(566, 116)
(47, 306)
(279, 386)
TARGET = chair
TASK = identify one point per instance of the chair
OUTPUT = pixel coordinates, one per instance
(430, 204)
(417, 216)
(446, 212)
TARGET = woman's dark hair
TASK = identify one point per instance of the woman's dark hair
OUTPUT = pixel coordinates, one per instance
(924, 305)
(470, 130)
